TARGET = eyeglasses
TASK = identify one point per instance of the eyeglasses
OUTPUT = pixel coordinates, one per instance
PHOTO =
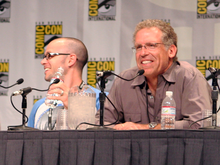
(51, 55)
(149, 46)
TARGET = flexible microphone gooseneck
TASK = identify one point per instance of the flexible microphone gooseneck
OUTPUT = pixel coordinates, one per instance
(27, 90)
(56, 81)
(19, 81)
(105, 74)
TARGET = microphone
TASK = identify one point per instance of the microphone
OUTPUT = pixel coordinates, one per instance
(23, 91)
(19, 81)
(55, 81)
(214, 73)
(140, 72)
(105, 74)
(213, 70)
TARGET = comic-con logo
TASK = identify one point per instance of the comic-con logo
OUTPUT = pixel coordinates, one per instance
(36, 98)
(203, 64)
(93, 66)
(100, 10)
(4, 71)
(44, 34)
(5, 10)
(208, 9)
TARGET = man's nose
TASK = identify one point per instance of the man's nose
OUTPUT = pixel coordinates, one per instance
(43, 61)
(144, 50)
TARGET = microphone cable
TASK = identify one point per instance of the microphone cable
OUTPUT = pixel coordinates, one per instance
(18, 110)
(203, 118)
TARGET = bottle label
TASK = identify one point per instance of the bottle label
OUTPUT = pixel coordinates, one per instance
(168, 110)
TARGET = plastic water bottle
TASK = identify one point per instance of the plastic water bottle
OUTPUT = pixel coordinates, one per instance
(57, 75)
(168, 111)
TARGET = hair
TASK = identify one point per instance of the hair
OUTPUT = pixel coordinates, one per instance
(168, 37)
(77, 47)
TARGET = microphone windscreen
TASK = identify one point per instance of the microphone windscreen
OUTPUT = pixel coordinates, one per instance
(140, 72)
(19, 81)
(212, 69)
(56, 81)
(27, 90)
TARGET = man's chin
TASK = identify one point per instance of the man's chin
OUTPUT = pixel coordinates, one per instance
(149, 74)
(47, 79)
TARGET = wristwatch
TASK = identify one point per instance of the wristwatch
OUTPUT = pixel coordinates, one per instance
(152, 125)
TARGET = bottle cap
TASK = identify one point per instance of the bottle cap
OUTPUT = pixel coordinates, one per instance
(169, 93)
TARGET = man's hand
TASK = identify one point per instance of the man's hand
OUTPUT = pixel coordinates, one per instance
(133, 126)
(62, 90)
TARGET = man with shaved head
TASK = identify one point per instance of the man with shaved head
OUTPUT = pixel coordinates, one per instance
(70, 54)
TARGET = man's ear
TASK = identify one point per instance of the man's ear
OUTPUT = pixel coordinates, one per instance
(72, 60)
(172, 51)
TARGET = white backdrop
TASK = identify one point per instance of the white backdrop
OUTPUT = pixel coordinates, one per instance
(106, 31)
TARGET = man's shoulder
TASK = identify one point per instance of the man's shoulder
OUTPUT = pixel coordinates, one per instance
(188, 68)
(185, 64)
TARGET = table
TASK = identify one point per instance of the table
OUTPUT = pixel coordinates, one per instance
(107, 147)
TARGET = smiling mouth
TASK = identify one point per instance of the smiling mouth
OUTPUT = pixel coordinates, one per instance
(46, 69)
(146, 62)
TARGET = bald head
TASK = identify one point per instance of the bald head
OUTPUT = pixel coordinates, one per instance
(77, 47)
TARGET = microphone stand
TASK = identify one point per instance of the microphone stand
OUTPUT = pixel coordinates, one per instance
(22, 127)
(214, 96)
(50, 126)
(50, 119)
(102, 101)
